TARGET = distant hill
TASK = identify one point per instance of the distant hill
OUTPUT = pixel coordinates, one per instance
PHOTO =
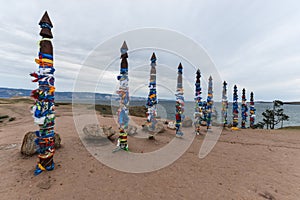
(62, 96)
(293, 102)
(286, 102)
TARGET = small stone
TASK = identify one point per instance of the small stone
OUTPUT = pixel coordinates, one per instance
(44, 185)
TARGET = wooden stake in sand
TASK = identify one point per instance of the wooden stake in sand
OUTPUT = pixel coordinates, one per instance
(252, 111)
(152, 97)
(179, 102)
(235, 111)
(209, 102)
(224, 104)
(43, 110)
(123, 93)
(198, 103)
(244, 109)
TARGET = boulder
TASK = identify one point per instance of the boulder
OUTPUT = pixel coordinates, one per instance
(159, 127)
(93, 130)
(132, 130)
(187, 122)
(171, 125)
(108, 131)
(29, 146)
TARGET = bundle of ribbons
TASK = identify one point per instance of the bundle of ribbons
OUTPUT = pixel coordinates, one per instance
(252, 111)
(224, 104)
(123, 93)
(179, 102)
(198, 103)
(43, 109)
(209, 105)
(152, 97)
(244, 109)
(235, 111)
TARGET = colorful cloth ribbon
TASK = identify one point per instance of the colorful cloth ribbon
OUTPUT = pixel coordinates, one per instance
(43, 109)
(179, 103)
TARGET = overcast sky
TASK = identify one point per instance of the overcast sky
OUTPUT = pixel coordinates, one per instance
(254, 44)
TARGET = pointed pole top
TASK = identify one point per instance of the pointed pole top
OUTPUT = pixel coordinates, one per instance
(180, 66)
(198, 74)
(124, 46)
(210, 78)
(46, 19)
(153, 57)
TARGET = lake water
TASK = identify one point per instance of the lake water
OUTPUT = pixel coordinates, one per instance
(166, 109)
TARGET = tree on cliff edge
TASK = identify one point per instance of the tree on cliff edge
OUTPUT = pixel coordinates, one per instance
(274, 116)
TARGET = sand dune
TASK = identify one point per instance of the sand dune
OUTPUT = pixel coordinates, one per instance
(246, 164)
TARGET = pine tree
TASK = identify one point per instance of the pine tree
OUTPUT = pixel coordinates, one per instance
(274, 116)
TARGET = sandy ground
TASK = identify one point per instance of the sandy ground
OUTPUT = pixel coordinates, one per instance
(246, 164)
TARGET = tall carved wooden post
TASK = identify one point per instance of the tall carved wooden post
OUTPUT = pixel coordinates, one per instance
(224, 104)
(198, 103)
(123, 93)
(43, 110)
(244, 109)
(179, 102)
(235, 109)
(252, 111)
(209, 102)
(152, 97)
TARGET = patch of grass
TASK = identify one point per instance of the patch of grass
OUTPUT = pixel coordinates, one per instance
(138, 111)
(15, 100)
(57, 104)
(105, 109)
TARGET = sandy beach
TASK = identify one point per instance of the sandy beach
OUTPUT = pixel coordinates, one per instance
(245, 164)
